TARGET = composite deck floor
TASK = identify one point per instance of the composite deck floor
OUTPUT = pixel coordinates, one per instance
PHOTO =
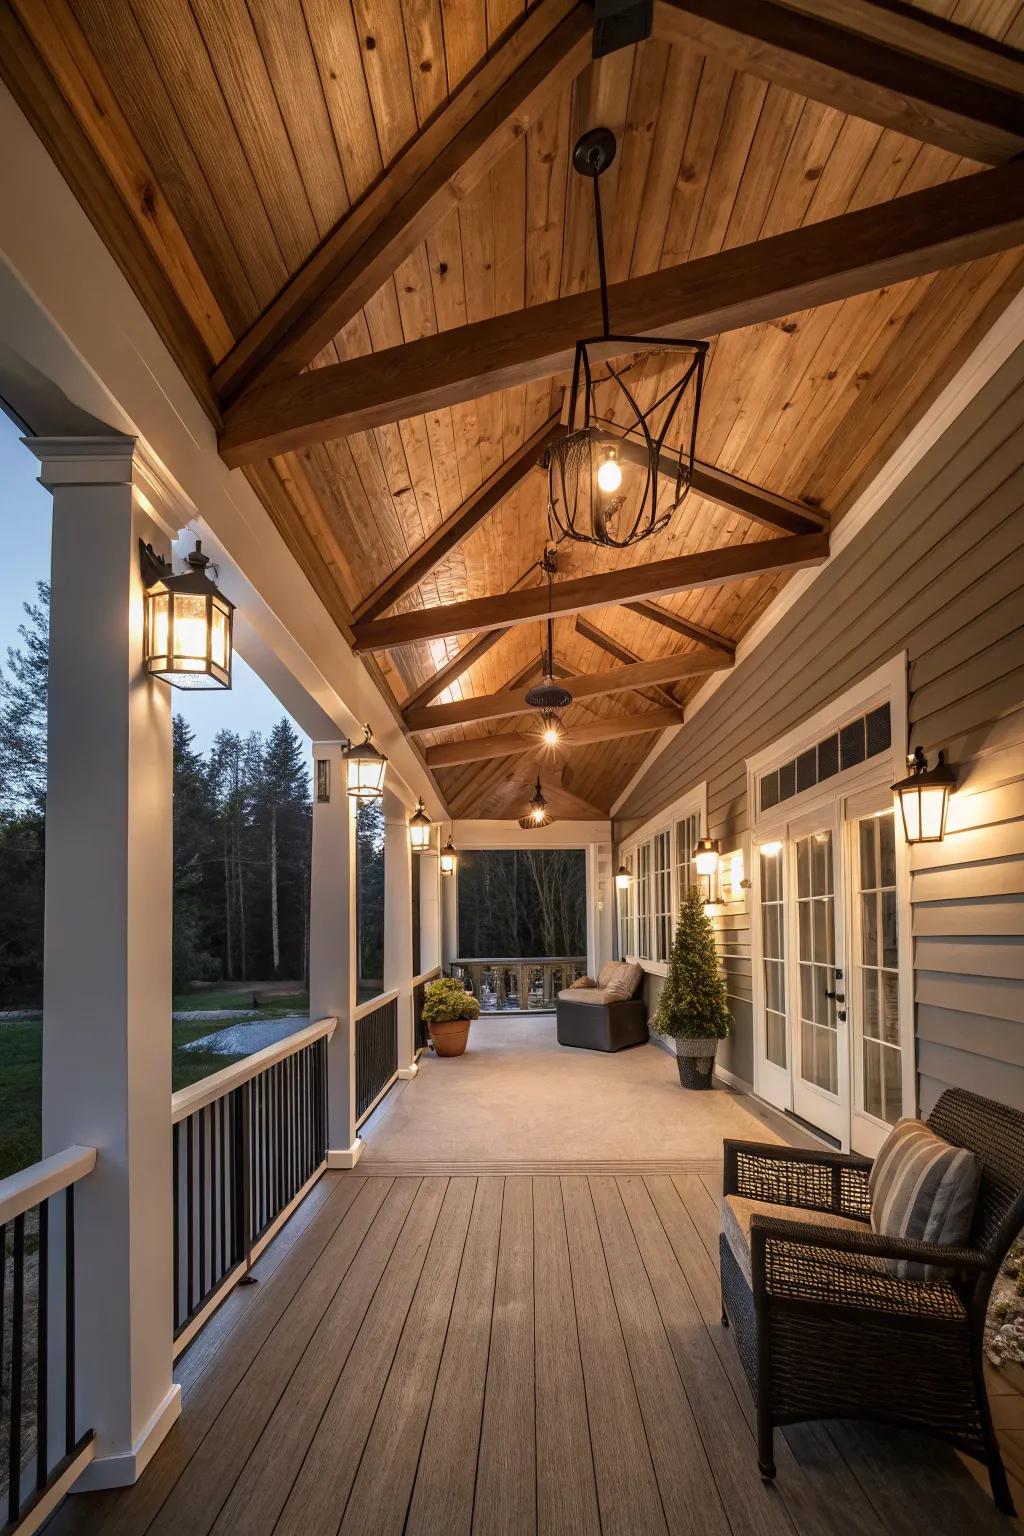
(511, 1354)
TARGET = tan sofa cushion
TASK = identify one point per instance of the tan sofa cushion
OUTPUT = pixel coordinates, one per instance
(596, 995)
(622, 984)
(736, 1214)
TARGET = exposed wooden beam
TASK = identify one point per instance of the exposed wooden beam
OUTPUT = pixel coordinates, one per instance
(454, 669)
(454, 529)
(853, 253)
(479, 748)
(681, 626)
(727, 490)
(494, 108)
(682, 573)
(605, 642)
(898, 68)
(512, 701)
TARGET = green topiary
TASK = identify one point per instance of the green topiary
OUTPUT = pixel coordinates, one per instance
(447, 1000)
(692, 1005)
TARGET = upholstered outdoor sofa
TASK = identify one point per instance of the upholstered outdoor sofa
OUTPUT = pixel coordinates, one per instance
(606, 1014)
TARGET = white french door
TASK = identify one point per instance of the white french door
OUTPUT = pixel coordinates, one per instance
(817, 1012)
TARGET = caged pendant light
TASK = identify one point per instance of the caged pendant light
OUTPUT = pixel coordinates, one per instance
(538, 814)
(623, 466)
(548, 696)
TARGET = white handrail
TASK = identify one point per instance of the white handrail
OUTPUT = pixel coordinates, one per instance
(430, 975)
(19, 1192)
(187, 1100)
(373, 1003)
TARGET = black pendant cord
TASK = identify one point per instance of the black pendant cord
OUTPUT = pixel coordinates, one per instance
(602, 271)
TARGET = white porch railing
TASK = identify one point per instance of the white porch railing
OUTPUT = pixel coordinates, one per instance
(37, 1328)
(248, 1144)
(376, 1051)
(420, 1035)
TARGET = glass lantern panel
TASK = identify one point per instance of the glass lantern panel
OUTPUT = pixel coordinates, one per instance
(219, 636)
(190, 633)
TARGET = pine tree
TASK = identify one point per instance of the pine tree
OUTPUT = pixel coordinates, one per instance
(23, 692)
(693, 1005)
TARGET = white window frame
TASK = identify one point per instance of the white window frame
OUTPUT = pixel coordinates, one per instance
(693, 803)
(853, 793)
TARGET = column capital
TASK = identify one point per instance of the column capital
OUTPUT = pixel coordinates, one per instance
(106, 460)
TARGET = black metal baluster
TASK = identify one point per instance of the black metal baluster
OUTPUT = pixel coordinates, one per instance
(3, 1303)
(190, 1184)
(201, 1128)
(176, 1219)
(279, 1137)
(70, 1414)
(17, 1366)
(43, 1347)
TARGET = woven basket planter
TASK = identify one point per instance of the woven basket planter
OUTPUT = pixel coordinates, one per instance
(696, 1062)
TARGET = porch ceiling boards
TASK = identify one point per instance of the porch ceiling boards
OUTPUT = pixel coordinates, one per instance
(360, 175)
(444, 1355)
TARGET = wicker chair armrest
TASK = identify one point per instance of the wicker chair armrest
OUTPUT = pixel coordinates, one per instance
(813, 1180)
(796, 1261)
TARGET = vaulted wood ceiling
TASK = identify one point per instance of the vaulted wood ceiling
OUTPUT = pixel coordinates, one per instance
(284, 178)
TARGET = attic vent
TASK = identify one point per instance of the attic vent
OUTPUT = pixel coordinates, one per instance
(867, 736)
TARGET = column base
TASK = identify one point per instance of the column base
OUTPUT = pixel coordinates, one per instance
(410, 1071)
(345, 1157)
(126, 1467)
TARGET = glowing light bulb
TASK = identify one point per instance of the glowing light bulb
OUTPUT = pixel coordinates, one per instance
(609, 475)
(552, 736)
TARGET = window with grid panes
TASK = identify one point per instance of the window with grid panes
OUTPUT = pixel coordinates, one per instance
(624, 900)
(687, 835)
(773, 949)
(662, 895)
(643, 901)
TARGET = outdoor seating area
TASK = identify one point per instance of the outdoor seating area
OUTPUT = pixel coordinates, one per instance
(511, 767)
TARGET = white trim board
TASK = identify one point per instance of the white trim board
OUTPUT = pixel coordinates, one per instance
(993, 350)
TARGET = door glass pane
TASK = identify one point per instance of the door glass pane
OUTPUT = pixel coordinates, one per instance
(819, 1062)
(774, 953)
(876, 974)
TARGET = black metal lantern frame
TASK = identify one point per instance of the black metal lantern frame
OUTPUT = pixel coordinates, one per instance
(188, 622)
(538, 815)
(622, 469)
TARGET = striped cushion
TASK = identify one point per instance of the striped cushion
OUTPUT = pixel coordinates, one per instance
(924, 1189)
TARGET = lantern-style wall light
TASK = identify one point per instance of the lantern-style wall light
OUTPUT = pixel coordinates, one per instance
(705, 862)
(449, 857)
(188, 620)
(622, 878)
(924, 798)
(365, 768)
(419, 829)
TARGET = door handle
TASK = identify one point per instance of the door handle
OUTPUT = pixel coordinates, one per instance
(835, 997)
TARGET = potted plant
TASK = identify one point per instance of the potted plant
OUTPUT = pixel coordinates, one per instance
(692, 1008)
(447, 1011)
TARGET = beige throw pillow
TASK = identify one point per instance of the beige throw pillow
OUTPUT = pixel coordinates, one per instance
(582, 981)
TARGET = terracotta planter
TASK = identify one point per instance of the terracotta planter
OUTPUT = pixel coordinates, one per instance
(450, 1036)
(696, 1062)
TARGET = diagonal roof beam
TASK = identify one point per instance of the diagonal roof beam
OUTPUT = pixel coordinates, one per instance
(460, 525)
(681, 626)
(488, 113)
(479, 748)
(897, 68)
(818, 264)
(454, 669)
(605, 642)
(512, 701)
(682, 573)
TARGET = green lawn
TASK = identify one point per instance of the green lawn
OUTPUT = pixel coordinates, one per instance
(21, 1066)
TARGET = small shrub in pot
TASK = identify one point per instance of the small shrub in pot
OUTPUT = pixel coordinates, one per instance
(448, 1010)
(692, 1008)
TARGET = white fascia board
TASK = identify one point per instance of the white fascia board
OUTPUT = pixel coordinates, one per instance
(509, 834)
(993, 350)
(69, 313)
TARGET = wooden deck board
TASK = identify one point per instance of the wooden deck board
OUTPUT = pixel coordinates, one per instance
(448, 1356)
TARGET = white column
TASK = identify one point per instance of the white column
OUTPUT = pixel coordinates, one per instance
(107, 955)
(398, 858)
(332, 916)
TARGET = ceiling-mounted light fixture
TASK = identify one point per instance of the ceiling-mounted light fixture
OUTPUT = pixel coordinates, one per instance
(188, 621)
(419, 829)
(365, 768)
(538, 814)
(626, 460)
(924, 798)
(449, 857)
(548, 696)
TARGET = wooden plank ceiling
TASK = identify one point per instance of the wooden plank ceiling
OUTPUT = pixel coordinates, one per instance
(219, 145)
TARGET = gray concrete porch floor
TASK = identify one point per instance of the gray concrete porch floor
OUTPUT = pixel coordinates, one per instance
(518, 1098)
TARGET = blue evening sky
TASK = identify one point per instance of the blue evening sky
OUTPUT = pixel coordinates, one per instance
(25, 559)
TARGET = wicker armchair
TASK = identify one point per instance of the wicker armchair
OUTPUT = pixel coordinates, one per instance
(825, 1331)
